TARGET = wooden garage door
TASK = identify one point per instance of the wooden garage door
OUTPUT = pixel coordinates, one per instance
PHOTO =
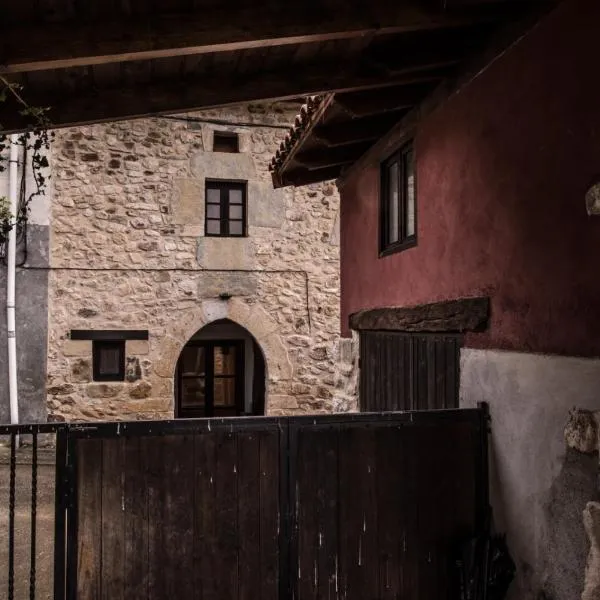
(403, 371)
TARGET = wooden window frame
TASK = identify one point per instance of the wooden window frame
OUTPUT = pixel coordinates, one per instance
(240, 375)
(224, 187)
(404, 241)
(97, 347)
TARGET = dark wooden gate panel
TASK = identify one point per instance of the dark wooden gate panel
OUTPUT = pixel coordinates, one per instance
(404, 371)
(381, 509)
(178, 516)
(348, 507)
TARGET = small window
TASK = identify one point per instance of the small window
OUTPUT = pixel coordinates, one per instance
(398, 228)
(225, 209)
(109, 360)
(225, 141)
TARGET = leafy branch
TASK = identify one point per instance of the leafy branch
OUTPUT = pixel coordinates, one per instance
(35, 139)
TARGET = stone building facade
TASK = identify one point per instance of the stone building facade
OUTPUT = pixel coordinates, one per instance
(128, 253)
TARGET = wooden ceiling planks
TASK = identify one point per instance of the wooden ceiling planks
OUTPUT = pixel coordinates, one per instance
(186, 54)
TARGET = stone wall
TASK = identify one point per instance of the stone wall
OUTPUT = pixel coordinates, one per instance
(128, 252)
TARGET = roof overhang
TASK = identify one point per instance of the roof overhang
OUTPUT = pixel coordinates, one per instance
(98, 60)
(335, 130)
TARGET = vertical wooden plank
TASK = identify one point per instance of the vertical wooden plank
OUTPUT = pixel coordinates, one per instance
(113, 549)
(226, 503)
(205, 531)
(389, 510)
(178, 519)
(307, 489)
(135, 529)
(170, 501)
(89, 519)
(248, 458)
(270, 515)
(358, 558)
(431, 370)
(410, 542)
(326, 445)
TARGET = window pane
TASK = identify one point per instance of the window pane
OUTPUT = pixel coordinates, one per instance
(193, 360)
(192, 392)
(213, 227)
(236, 228)
(213, 211)
(235, 211)
(224, 360)
(109, 363)
(235, 196)
(224, 389)
(410, 194)
(393, 204)
(213, 195)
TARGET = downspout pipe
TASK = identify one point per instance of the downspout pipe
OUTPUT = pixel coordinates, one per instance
(11, 253)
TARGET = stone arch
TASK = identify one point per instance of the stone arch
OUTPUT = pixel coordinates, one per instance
(182, 325)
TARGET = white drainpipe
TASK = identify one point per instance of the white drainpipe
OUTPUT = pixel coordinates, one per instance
(10, 280)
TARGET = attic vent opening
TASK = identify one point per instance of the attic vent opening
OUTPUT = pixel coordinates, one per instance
(225, 141)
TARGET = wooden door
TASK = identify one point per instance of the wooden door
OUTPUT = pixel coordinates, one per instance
(210, 379)
(402, 371)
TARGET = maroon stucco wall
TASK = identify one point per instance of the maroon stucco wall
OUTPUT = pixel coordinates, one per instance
(502, 168)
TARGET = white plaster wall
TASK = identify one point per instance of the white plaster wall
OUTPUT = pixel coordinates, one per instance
(538, 490)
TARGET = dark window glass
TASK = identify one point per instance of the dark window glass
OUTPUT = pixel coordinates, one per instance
(109, 360)
(210, 377)
(398, 202)
(225, 141)
(225, 209)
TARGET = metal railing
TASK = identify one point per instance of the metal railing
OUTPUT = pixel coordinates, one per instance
(32, 463)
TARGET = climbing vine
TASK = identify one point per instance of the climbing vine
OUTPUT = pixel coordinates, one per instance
(34, 141)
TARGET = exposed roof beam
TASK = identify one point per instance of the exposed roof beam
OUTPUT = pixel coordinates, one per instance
(196, 93)
(358, 130)
(320, 158)
(83, 43)
(304, 176)
(363, 104)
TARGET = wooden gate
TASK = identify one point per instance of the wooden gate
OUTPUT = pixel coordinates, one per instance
(353, 507)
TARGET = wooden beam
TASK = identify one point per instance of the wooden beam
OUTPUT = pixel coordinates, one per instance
(320, 158)
(465, 314)
(303, 176)
(370, 102)
(356, 130)
(195, 93)
(220, 29)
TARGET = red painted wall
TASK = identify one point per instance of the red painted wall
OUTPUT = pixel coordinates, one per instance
(502, 171)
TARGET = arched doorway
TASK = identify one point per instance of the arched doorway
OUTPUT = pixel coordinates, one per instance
(220, 373)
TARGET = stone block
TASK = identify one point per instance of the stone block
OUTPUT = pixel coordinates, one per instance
(103, 390)
(81, 348)
(137, 347)
(221, 165)
(211, 284)
(225, 253)
(140, 391)
(268, 205)
(278, 402)
(214, 310)
(187, 204)
(81, 370)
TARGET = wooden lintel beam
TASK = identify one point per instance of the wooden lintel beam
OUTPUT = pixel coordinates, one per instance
(356, 130)
(158, 35)
(193, 93)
